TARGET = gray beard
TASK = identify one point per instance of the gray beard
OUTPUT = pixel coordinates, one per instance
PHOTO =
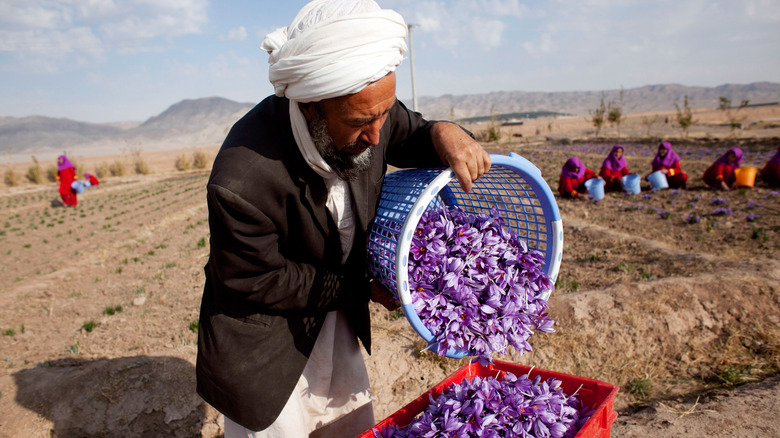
(347, 166)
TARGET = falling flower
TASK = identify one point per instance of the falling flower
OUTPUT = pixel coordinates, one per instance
(475, 285)
(674, 191)
(647, 196)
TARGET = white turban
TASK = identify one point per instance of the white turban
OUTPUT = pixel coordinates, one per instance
(334, 48)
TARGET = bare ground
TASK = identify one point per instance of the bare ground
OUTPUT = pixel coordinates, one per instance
(98, 303)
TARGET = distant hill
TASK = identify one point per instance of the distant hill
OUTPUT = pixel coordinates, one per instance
(191, 122)
(206, 121)
(36, 132)
(642, 99)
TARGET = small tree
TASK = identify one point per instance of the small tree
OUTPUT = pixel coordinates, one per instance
(199, 160)
(34, 174)
(11, 178)
(51, 173)
(182, 163)
(685, 116)
(117, 168)
(598, 116)
(648, 123)
(141, 167)
(615, 112)
(494, 128)
(101, 170)
(724, 103)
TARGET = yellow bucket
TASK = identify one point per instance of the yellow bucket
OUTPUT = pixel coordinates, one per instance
(746, 176)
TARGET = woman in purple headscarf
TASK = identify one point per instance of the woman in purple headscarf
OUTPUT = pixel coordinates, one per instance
(720, 175)
(66, 174)
(90, 180)
(668, 162)
(614, 169)
(573, 177)
(771, 171)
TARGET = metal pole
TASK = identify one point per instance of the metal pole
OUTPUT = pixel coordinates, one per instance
(411, 62)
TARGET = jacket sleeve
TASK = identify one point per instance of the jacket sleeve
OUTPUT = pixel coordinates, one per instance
(245, 247)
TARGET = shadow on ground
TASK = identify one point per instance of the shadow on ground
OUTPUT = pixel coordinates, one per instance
(132, 396)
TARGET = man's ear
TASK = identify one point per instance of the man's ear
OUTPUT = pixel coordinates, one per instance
(308, 109)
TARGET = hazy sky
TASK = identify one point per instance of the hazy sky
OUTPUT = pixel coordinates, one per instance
(114, 60)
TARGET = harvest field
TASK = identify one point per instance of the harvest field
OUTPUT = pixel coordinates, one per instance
(99, 305)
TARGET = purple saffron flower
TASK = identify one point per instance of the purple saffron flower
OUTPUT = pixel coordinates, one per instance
(721, 211)
(752, 217)
(663, 214)
(719, 201)
(692, 218)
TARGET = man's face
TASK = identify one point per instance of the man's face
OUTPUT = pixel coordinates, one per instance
(345, 128)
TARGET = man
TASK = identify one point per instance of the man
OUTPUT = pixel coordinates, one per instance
(291, 195)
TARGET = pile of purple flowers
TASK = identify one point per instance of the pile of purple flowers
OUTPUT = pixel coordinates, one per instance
(487, 407)
(475, 285)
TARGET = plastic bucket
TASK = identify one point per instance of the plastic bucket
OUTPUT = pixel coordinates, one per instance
(631, 184)
(77, 187)
(514, 187)
(658, 180)
(746, 176)
(595, 187)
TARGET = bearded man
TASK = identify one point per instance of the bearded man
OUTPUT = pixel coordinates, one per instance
(291, 195)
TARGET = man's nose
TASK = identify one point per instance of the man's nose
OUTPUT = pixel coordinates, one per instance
(370, 132)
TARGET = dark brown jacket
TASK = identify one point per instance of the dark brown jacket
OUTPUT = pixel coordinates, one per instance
(274, 270)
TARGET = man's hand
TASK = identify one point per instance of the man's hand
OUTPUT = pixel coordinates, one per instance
(380, 294)
(460, 152)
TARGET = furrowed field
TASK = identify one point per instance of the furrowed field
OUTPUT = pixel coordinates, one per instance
(99, 305)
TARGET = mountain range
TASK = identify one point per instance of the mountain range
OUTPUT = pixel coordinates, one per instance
(206, 121)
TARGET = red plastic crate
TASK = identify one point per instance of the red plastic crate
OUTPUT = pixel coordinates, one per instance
(595, 394)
